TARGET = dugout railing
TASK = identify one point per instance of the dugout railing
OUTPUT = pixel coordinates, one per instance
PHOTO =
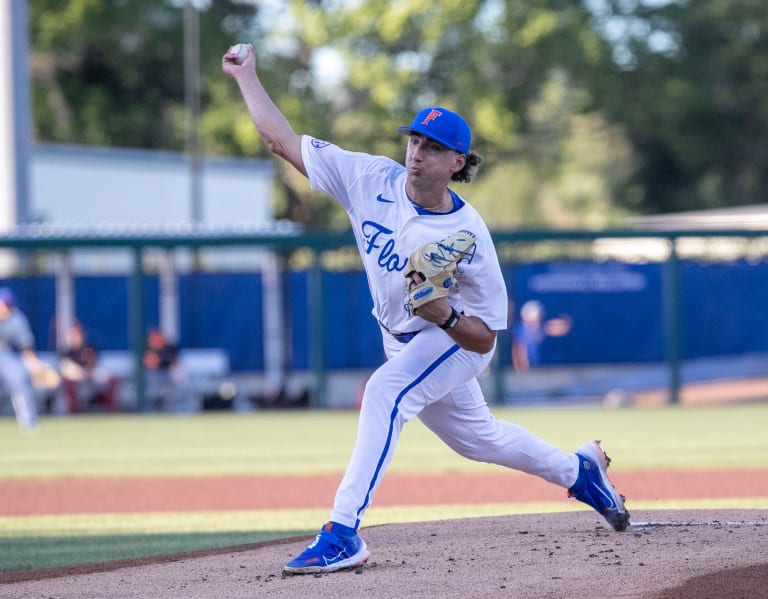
(27, 243)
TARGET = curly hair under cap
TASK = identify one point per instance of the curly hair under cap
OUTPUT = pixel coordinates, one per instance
(469, 172)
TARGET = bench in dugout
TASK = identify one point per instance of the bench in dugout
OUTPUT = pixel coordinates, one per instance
(201, 372)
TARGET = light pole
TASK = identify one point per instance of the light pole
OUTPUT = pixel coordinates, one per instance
(192, 102)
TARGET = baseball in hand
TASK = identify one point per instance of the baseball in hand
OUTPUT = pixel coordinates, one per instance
(240, 51)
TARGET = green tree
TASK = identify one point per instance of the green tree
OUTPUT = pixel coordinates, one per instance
(496, 63)
(112, 73)
(691, 89)
(531, 76)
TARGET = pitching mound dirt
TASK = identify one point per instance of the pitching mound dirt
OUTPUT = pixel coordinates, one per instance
(663, 555)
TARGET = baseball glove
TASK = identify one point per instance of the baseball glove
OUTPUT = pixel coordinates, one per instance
(432, 268)
(46, 378)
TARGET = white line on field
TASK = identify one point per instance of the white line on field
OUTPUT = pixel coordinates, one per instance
(694, 523)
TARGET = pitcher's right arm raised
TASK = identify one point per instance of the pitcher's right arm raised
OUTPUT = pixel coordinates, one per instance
(270, 122)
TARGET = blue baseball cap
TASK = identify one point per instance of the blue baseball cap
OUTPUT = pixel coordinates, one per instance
(442, 125)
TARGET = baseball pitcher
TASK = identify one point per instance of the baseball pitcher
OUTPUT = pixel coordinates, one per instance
(440, 299)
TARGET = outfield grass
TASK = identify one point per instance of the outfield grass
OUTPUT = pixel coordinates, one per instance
(318, 442)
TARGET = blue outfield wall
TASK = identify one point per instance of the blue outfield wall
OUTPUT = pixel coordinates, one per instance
(352, 338)
(725, 307)
(616, 311)
(223, 311)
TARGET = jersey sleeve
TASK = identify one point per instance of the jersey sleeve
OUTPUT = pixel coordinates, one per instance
(336, 171)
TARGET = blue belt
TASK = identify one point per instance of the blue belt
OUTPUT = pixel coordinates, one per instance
(404, 337)
(401, 337)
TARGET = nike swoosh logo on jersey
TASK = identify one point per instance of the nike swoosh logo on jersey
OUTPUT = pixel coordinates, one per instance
(381, 198)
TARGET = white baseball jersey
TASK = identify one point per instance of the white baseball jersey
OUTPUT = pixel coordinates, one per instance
(388, 227)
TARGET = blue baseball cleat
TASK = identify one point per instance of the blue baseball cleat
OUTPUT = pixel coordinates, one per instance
(335, 547)
(593, 487)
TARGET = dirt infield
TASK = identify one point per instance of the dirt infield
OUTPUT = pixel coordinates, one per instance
(664, 555)
(137, 495)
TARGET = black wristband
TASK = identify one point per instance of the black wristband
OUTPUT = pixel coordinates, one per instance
(452, 321)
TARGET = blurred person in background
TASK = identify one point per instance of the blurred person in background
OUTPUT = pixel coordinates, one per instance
(18, 360)
(83, 382)
(531, 331)
(164, 376)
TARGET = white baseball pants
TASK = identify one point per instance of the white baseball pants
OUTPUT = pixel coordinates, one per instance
(432, 378)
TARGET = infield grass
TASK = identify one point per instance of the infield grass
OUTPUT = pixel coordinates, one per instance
(319, 442)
